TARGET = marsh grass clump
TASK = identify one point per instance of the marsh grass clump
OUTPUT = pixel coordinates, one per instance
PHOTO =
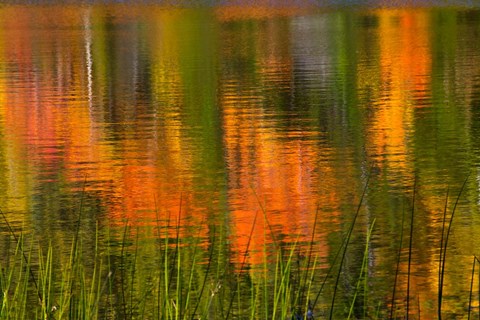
(136, 278)
(155, 273)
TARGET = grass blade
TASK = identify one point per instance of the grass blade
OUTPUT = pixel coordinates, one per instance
(445, 245)
(349, 234)
(410, 245)
(392, 305)
(32, 276)
(471, 287)
(242, 265)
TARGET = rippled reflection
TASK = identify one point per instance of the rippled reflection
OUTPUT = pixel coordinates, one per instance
(213, 118)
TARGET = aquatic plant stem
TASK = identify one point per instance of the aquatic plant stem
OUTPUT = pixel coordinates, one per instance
(442, 239)
(445, 245)
(191, 275)
(363, 275)
(159, 273)
(133, 272)
(122, 270)
(32, 276)
(330, 269)
(410, 246)
(242, 265)
(264, 211)
(303, 284)
(175, 253)
(471, 287)
(347, 241)
(399, 254)
(75, 242)
(205, 277)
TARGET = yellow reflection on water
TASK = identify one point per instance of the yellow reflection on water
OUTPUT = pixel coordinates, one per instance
(191, 116)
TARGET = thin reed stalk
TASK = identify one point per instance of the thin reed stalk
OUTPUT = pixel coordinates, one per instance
(32, 276)
(207, 272)
(122, 270)
(347, 241)
(440, 259)
(330, 270)
(410, 246)
(245, 254)
(132, 275)
(186, 280)
(363, 275)
(470, 297)
(300, 293)
(282, 290)
(191, 276)
(264, 211)
(399, 254)
(445, 246)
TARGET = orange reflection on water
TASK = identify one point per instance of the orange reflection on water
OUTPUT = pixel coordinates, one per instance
(403, 71)
(401, 78)
(273, 171)
(270, 182)
(263, 9)
(258, 11)
(140, 156)
(55, 131)
(59, 120)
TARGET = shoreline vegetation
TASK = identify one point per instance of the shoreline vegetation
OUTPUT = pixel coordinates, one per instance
(177, 278)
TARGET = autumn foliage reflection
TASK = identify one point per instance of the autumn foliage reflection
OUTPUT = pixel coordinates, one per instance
(213, 117)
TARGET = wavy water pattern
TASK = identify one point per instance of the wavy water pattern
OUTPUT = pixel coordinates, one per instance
(204, 118)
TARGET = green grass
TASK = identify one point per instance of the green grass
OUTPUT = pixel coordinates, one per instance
(173, 278)
(146, 273)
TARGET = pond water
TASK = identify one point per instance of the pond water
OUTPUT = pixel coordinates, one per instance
(211, 118)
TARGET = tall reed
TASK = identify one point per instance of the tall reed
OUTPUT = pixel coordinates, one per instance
(444, 249)
(127, 274)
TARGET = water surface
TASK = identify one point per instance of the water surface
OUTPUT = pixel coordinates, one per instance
(208, 117)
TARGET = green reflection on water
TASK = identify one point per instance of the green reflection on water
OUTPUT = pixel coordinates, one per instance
(205, 116)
